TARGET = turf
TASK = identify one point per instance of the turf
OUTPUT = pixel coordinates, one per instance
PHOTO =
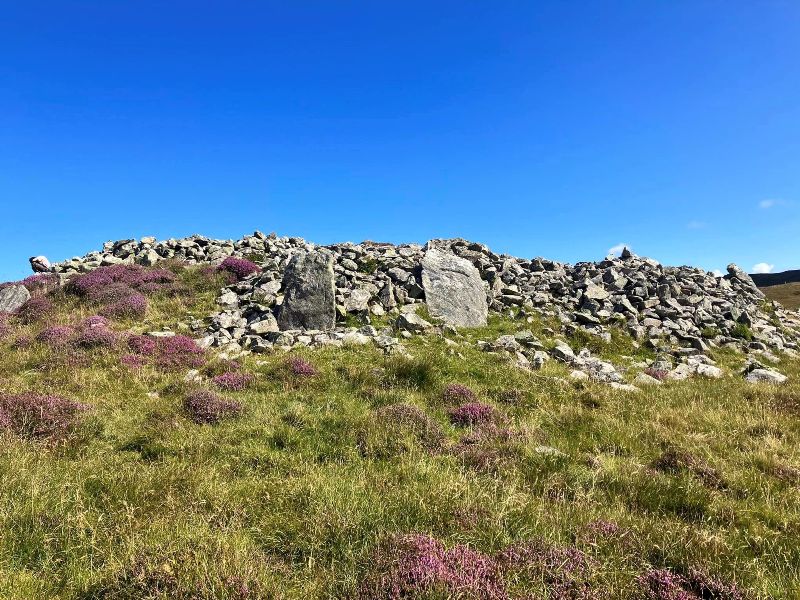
(292, 496)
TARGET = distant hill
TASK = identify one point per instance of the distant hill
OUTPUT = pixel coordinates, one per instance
(787, 294)
(767, 279)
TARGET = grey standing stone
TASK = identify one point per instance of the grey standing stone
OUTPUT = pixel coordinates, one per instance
(13, 297)
(454, 290)
(309, 300)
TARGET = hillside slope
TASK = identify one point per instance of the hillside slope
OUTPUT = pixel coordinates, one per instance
(501, 461)
(788, 294)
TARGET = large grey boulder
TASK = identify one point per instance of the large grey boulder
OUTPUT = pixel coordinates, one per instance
(454, 290)
(13, 297)
(309, 300)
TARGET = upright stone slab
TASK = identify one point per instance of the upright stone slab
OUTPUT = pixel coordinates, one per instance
(454, 290)
(13, 297)
(309, 296)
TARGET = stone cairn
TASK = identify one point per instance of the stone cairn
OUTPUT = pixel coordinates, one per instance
(313, 295)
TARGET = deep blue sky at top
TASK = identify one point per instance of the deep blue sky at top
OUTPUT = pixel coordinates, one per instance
(541, 128)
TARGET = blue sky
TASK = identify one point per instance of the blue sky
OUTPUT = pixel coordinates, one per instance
(558, 129)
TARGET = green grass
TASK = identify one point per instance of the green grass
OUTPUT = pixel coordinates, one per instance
(143, 503)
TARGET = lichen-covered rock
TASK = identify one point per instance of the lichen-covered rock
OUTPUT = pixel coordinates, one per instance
(309, 293)
(454, 291)
(13, 297)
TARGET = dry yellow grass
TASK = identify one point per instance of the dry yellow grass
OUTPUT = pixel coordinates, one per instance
(787, 294)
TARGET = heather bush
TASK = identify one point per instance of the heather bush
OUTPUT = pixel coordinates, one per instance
(94, 321)
(178, 352)
(472, 413)
(416, 565)
(39, 416)
(660, 374)
(456, 393)
(35, 310)
(56, 335)
(398, 428)
(132, 361)
(241, 268)
(206, 407)
(300, 367)
(133, 306)
(232, 381)
(95, 337)
(110, 283)
(168, 353)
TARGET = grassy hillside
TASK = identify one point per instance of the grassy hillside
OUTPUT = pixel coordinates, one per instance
(787, 294)
(344, 473)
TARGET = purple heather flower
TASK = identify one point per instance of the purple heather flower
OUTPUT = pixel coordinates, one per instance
(95, 337)
(472, 413)
(94, 321)
(41, 283)
(300, 366)
(177, 352)
(233, 382)
(413, 565)
(239, 267)
(133, 361)
(56, 335)
(663, 584)
(133, 306)
(39, 416)
(205, 406)
(456, 393)
(35, 309)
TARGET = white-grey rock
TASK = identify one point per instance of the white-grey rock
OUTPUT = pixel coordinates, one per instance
(13, 297)
(454, 291)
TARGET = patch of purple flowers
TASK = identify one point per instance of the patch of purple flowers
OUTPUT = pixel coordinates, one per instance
(35, 309)
(132, 361)
(132, 306)
(412, 565)
(39, 416)
(232, 381)
(94, 285)
(472, 413)
(56, 335)
(206, 407)
(660, 374)
(95, 337)
(300, 367)
(456, 393)
(241, 268)
(173, 352)
(94, 321)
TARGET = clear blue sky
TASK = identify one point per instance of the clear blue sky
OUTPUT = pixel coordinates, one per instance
(558, 128)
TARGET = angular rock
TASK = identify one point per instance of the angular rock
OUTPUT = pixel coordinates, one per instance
(765, 376)
(411, 321)
(309, 300)
(454, 290)
(13, 297)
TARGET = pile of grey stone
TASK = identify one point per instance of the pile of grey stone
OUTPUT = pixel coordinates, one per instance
(319, 295)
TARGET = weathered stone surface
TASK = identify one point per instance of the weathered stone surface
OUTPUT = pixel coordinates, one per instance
(13, 297)
(39, 264)
(309, 293)
(454, 291)
(411, 321)
(765, 376)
